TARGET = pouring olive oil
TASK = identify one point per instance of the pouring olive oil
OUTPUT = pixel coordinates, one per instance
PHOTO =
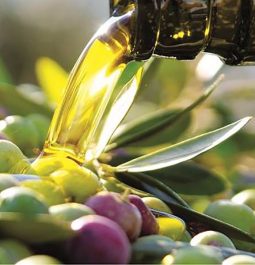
(100, 90)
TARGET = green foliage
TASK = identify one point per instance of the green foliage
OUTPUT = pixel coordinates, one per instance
(163, 81)
(189, 178)
(183, 151)
(148, 181)
(156, 124)
(17, 104)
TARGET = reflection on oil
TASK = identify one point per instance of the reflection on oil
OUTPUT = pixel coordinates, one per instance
(84, 121)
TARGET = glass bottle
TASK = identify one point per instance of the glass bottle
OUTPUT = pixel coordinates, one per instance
(183, 28)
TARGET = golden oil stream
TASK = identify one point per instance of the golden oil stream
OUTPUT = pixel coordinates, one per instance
(93, 104)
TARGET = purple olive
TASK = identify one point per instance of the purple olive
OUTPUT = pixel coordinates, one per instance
(149, 222)
(98, 240)
(118, 209)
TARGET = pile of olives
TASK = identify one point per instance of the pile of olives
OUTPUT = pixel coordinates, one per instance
(61, 213)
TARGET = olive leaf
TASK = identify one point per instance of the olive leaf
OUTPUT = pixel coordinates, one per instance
(143, 181)
(168, 76)
(182, 151)
(52, 78)
(167, 135)
(156, 122)
(195, 221)
(17, 104)
(151, 68)
(189, 178)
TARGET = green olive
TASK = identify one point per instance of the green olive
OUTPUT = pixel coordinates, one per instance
(193, 255)
(238, 215)
(173, 228)
(212, 238)
(157, 204)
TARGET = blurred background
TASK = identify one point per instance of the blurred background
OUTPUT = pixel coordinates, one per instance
(59, 29)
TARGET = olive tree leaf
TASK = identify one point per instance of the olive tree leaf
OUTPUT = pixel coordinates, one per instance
(167, 135)
(52, 78)
(182, 151)
(189, 178)
(141, 180)
(16, 103)
(195, 221)
(153, 123)
(168, 76)
(151, 68)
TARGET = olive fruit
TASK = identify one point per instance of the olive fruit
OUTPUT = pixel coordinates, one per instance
(41, 124)
(38, 260)
(245, 197)
(51, 193)
(12, 251)
(172, 227)
(151, 249)
(118, 209)
(11, 158)
(78, 183)
(98, 240)
(44, 166)
(186, 237)
(239, 260)
(70, 211)
(193, 255)
(22, 200)
(212, 238)
(156, 204)
(149, 223)
(21, 131)
(238, 215)
(7, 181)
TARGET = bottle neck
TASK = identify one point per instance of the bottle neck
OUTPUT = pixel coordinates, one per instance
(183, 28)
(146, 30)
(232, 34)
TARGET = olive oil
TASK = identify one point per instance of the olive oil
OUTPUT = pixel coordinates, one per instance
(100, 90)
(99, 94)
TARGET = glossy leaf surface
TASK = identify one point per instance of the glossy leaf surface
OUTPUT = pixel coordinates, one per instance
(182, 151)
